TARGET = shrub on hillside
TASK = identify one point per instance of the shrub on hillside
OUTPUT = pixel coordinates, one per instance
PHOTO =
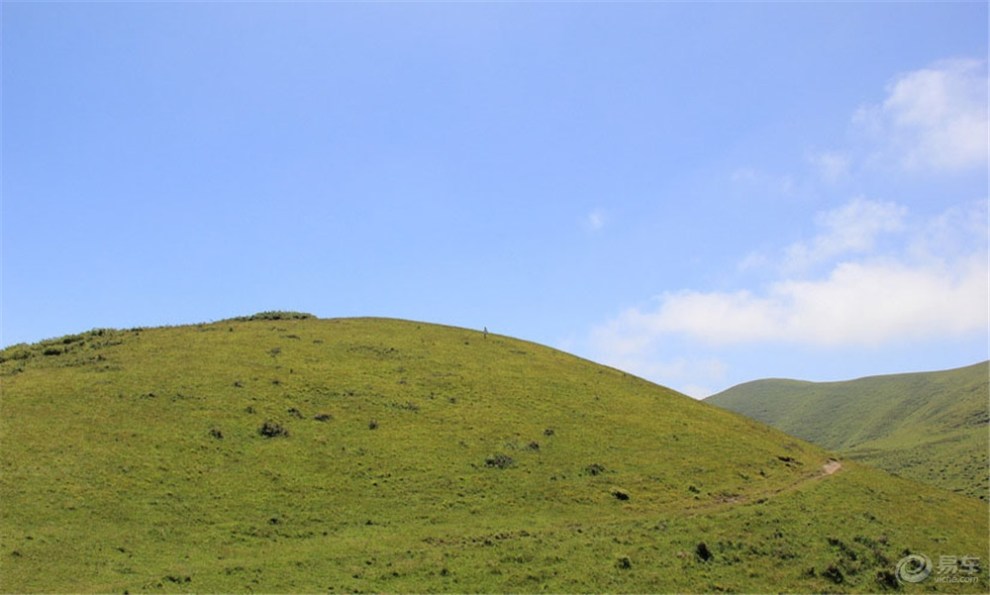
(499, 461)
(594, 469)
(21, 351)
(270, 429)
(274, 315)
(619, 494)
(704, 554)
(833, 574)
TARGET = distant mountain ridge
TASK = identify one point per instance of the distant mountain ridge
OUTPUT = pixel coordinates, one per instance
(929, 426)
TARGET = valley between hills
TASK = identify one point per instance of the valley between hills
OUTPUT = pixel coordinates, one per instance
(928, 426)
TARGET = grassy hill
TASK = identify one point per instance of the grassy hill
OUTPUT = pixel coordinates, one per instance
(284, 453)
(929, 426)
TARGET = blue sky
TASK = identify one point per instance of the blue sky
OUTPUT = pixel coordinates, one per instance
(701, 194)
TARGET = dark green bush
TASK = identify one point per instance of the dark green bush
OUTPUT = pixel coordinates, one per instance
(704, 554)
(594, 469)
(833, 574)
(274, 315)
(499, 461)
(270, 429)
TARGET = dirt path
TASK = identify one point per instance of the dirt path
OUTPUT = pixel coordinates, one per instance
(830, 467)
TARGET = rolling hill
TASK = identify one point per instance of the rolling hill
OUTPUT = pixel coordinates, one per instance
(284, 453)
(928, 426)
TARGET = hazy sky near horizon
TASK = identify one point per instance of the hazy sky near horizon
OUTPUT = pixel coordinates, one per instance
(700, 194)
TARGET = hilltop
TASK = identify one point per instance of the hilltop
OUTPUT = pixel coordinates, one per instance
(284, 453)
(928, 426)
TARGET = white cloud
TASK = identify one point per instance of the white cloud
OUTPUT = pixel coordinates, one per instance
(933, 119)
(852, 228)
(952, 234)
(595, 220)
(679, 373)
(832, 166)
(753, 261)
(872, 276)
(917, 292)
(858, 304)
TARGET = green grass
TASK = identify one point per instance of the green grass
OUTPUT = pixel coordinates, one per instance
(929, 426)
(419, 457)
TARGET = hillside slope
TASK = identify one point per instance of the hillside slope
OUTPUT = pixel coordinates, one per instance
(304, 455)
(929, 426)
